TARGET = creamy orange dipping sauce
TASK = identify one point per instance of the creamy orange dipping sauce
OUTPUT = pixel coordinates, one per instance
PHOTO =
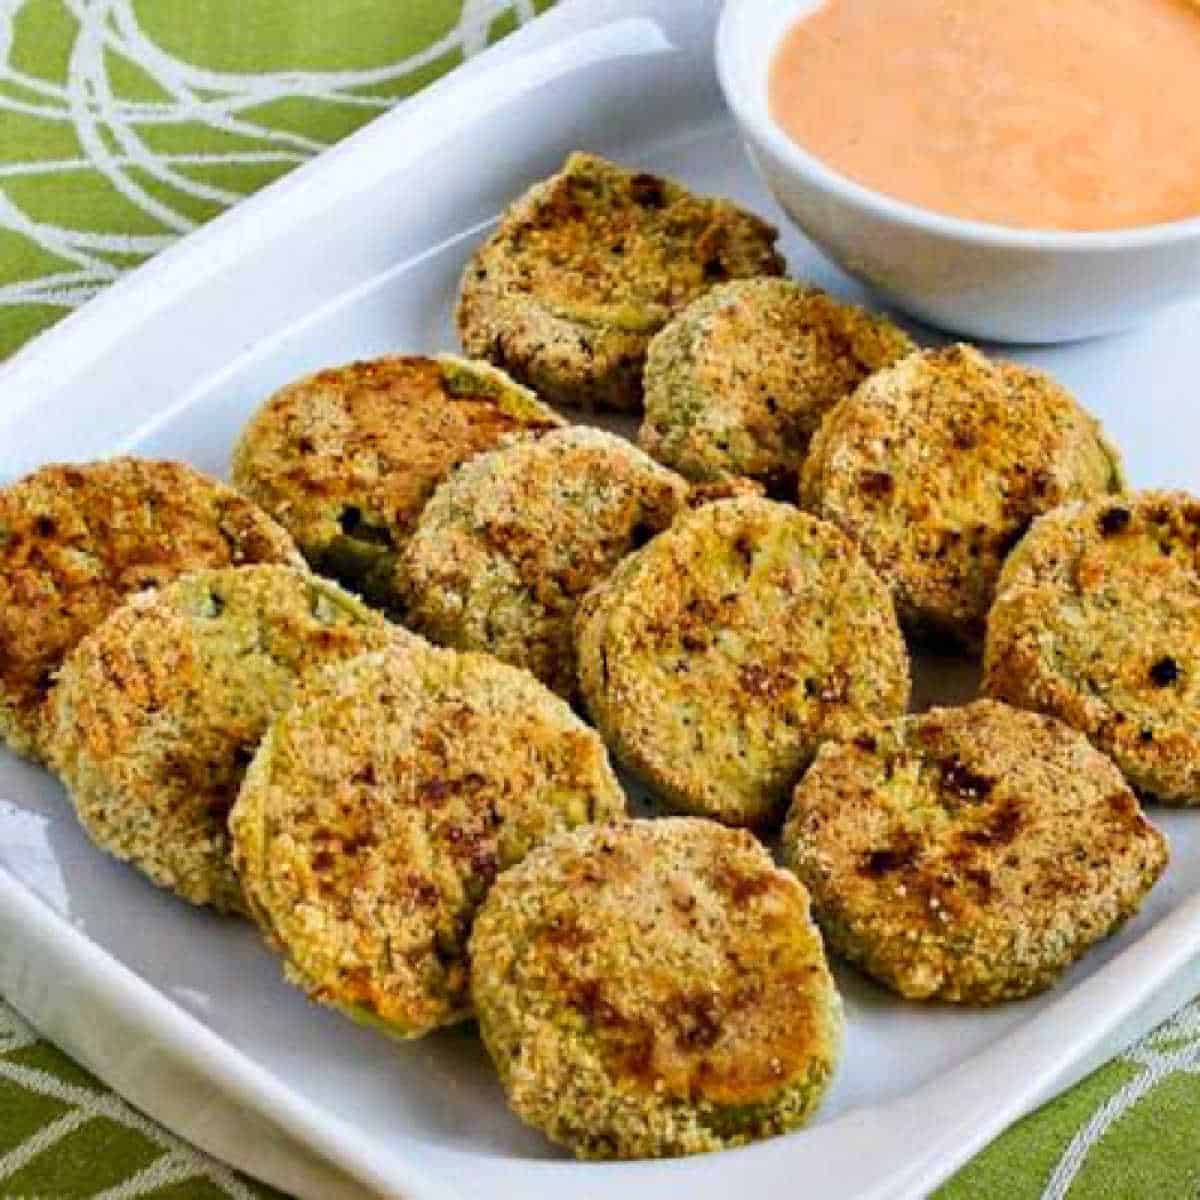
(1047, 114)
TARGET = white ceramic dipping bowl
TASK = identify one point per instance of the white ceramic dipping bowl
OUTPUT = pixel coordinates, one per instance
(982, 280)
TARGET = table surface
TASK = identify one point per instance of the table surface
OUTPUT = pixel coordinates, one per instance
(113, 143)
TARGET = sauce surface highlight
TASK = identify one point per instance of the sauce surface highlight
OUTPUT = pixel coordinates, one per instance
(1044, 114)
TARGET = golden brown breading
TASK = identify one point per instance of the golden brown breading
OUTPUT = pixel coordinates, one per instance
(732, 487)
(381, 807)
(969, 854)
(345, 459)
(587, 266)
(719, 657)
(1097, 622)
(77, 539)
(937, 465)
(158, 712)
(654, 988)
(511, 542)
(738, 382)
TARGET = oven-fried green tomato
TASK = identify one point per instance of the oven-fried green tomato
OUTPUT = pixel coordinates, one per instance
(381, 807)
(509, 544)
(588, 265)
(718, 658)
(969, 854)
(936, 467)
(345, 459)
(158, 712)
(737, 384)
(655, 988)
(1097, 622)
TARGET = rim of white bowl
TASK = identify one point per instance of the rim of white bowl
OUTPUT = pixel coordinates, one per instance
(740, 92)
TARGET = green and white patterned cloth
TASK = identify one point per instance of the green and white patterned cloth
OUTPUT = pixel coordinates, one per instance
(126, 123)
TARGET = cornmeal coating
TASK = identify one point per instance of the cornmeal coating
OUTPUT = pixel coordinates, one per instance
(969, 854)
(737, 384)
(510, 543)
(587, 266)
(655, 988)
(381, 807)
(936, 467)
(1097, 622)
(345, 459)
(717, 659)
(77, 539)
(159, 711)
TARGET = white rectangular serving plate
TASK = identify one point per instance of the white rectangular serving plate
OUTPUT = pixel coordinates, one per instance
(359, 253)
